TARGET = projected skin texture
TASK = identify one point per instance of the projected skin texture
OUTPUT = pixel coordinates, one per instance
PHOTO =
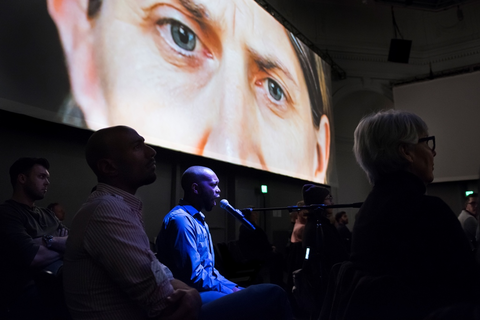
(211, 77)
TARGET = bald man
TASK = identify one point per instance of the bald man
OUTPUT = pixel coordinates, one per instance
(184, 243)
(110, 271)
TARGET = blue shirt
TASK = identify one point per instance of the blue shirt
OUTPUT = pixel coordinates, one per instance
(184, 245)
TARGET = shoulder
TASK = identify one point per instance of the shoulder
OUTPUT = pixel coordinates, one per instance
(105, 206)
(12, 211)
(179, 219)
(436, 210)
(436, 203)
(10, 206)
(178, 214)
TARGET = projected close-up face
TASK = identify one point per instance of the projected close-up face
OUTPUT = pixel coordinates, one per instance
(210, 77)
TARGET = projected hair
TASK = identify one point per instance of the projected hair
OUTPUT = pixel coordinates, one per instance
(308, 63)
(378, 137)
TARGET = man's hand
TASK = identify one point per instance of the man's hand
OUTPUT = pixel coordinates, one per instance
(59, 243)
(184, 303)
(62, 232)
(44, 255)
(235, 289)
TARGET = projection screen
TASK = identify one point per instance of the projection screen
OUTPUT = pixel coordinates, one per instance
(215, 78)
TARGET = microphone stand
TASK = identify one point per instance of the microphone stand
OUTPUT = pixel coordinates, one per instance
(315, 268)
(311, 207)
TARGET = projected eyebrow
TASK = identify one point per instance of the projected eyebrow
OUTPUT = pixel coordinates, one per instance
(196, 10)
(266, 63)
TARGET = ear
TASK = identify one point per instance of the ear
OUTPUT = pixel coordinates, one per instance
(195, 188)
(406, 152)
(76, 31)
(323, 149)
(21, 178)
(107, 168)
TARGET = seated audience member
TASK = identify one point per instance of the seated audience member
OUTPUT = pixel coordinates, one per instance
(299, 226)
(184, 243)
(468, 218)
(110, 271)
(325, 247)
(296, 252)
(255, 246)
(425, 268)
(341, 219)
(31, 239)
(57, 208)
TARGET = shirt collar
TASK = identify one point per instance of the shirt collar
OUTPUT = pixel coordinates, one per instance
(131, 200)
(191, 210)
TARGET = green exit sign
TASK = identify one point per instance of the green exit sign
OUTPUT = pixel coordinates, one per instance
(264, 188)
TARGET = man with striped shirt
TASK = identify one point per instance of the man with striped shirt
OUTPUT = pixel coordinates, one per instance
(110, 271)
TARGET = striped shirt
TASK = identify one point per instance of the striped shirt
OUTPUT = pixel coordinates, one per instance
(109, 270)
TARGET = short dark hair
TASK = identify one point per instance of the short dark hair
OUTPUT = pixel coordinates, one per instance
(471, 195)
(24, 165)
(339, 215)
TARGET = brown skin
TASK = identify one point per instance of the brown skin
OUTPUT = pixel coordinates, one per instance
(184, 303)
(127, 163)
(203, 190)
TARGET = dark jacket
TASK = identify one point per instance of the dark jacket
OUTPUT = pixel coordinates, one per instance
(402, 233)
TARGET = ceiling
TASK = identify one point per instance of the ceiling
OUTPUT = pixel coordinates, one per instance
(428, 5)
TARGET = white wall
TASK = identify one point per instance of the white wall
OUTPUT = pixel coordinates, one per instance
(451, 108)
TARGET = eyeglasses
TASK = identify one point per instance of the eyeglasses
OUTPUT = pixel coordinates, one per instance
(430, 142)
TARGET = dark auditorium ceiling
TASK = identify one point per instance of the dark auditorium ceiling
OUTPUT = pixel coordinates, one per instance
(429, 5)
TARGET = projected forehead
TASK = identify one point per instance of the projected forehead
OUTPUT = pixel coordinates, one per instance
(204, 38)
(219, 79)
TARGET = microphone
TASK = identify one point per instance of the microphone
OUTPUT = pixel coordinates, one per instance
(236, 213)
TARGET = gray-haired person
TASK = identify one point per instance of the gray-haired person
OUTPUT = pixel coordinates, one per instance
(409, 247)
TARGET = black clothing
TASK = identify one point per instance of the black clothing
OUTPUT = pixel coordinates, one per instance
(254, 244)
(418, 241)
(326, 250)
(346, 236)
(255, 247)
(19, 225)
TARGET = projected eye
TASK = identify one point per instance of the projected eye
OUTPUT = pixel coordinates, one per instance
(183, 36)
(272, 94)
(275, 90)
(183, 41)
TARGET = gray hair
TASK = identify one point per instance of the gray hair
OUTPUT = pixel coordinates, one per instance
(378, 137)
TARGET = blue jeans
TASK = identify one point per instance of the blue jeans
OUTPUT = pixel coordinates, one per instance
(257, 302)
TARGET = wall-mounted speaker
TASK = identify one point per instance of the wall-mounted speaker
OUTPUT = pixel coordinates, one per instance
(399, 50)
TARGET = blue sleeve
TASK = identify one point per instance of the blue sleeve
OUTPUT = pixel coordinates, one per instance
(188, 262)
